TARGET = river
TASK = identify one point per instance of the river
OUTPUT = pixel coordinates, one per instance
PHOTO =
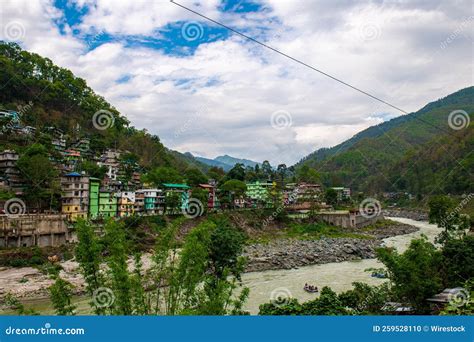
(266, 285)
(339, 276)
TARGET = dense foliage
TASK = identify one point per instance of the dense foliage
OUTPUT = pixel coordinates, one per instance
(417, 152)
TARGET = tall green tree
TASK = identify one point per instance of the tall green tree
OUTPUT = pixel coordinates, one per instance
(414, 274)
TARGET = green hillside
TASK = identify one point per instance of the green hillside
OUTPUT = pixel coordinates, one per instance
(417, 152)
(48, 96)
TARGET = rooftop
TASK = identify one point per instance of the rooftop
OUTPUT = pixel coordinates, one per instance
(172, 185)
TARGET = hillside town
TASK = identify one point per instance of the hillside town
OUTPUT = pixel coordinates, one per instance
(121, 192)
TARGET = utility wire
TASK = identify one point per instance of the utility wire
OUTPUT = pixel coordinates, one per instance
(306, 65)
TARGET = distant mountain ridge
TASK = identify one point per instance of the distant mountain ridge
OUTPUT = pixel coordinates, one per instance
(226, 162)
(419, 152)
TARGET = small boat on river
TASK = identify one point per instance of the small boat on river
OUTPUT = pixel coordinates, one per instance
(310, 288)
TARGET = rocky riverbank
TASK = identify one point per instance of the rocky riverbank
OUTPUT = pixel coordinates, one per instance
(29, 282)
(416, 215)
(294, 253)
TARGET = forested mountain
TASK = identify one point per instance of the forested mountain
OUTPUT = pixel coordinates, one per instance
(418, 152)
(49, 96)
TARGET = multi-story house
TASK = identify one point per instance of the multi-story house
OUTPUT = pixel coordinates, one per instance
(9, 172)
(75, 195)
(139, 205)
(212, 202)
(153, 201)
(110, 159)
(107, 204)
(180, 190)
(94, 188)
(125, 203)
(342, 193)
(260, 193)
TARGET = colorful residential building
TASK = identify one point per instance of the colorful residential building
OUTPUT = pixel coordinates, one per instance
(94, 188)
(260, 193)
(125, 203)
(342, 193)
(182, 190)
(139, 205)
(75, 195)
(212, 202)
(10, 173)
(107, 204)
(149, 202)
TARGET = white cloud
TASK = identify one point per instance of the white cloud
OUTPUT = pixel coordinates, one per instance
(393, 51)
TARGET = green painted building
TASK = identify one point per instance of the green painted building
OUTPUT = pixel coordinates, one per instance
(107, 204)
(181, 189)
(260, 192)
(94, 185)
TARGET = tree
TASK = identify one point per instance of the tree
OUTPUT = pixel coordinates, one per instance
(92, 169)
(120, 282)
(267, 170)
(216, 173)
(282, 172)
(414, 274)
(61, 296)
(237, 172)
(194, 177)
(446, 216)
(39, 175)
(233, 188)
(172, 202)
(330, 196)
(162, 175)
(88, 255)
(307, 174)
(458, 260)
(225, 248)
(236, 186)
(328, 303)
(202, 196)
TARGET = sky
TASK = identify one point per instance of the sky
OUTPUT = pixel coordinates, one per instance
(205, 90)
